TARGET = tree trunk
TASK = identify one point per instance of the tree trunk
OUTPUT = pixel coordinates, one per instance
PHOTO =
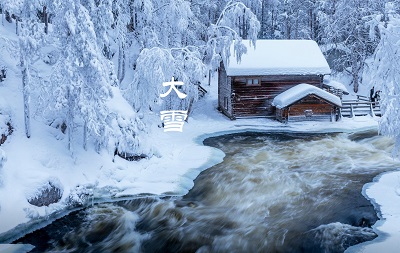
(354, 71)
(25, 91)
(262, 30)
(244, 33)
(46, 20)
(69, 119)
(85, 135)
(209, 77)
(2, 15)
(121, 63)
(273, 24)
(311, 24)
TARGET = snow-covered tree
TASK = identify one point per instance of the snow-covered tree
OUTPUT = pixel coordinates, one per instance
(84, 83)
(82, 79)
(30, 38)
(154, 66)
(384, 73)
(100, 12)
(345, 26)
(177, 53)
(228, 28)
(14, 8)
(121, 19)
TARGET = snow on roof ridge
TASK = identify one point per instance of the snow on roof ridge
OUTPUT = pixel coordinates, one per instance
(278, 57)
(300, 91)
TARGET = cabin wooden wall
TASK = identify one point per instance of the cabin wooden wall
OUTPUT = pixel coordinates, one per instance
(224, 92)
(256, 100)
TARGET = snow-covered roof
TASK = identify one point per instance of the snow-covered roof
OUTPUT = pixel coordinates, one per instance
(300, 91)
(335, 84)
(278, 57)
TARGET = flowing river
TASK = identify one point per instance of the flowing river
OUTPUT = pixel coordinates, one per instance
(277, 192)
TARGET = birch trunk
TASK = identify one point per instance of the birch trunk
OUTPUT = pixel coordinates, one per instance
(69, 119)
(25, 91)
(2, 15)
(85, 135)
(46, 20)
(121, 63)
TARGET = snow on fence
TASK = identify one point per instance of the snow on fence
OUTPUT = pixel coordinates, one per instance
(360, 107)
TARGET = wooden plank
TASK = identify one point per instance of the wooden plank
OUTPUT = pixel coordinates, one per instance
(257, 100)
(275, 78)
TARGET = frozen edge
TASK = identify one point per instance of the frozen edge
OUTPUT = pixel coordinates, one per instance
(382, 241)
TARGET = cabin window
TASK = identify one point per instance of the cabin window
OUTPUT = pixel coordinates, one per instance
(226, 103)
(252, 82)
(308, 113)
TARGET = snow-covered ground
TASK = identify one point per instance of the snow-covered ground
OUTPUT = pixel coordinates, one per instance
(44, 157)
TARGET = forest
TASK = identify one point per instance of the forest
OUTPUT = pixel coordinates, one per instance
(95, 51)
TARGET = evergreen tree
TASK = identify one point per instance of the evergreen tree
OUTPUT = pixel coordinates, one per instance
(82, 78)
(345, 27)
(30, 38)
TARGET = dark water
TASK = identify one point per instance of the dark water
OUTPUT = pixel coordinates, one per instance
(272, 193)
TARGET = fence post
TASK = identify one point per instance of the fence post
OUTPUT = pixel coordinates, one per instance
(351, 111)
(371, 109)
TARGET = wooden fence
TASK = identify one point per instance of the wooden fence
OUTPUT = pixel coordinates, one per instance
(360, 107)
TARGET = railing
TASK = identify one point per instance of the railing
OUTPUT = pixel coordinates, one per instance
(202, 91)
(363, 98)
(360, 107)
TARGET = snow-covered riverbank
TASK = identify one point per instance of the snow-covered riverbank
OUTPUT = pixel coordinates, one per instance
(42, 158)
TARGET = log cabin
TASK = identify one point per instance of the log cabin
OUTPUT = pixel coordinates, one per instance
(247, 88)
(306, 102)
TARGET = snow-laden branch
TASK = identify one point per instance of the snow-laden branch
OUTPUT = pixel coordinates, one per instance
(384, 74)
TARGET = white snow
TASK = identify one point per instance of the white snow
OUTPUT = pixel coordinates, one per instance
(182, 156)
(335, 84)
(300, 91)
(279, 57)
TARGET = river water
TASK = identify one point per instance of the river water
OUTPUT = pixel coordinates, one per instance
(276, 192)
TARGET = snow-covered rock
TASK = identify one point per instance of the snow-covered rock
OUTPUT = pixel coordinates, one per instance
(48, 193)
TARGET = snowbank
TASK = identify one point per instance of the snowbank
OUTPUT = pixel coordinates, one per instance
(277, 57)
(384, 192)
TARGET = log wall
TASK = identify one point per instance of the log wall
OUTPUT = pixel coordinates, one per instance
(309, 108)
(224, 92)
(256, 100)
